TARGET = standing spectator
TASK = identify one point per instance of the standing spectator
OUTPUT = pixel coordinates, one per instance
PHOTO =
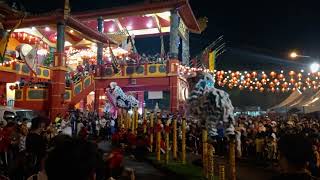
(112, 126)
(66, 127)
(80, 69)
(5, 134)
(23, 136)
(36, 145)
(72, 159)
(295, 151)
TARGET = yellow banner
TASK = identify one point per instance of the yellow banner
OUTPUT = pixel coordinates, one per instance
(212, 60)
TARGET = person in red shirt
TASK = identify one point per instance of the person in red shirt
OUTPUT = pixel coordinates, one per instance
(5, 141)
(114, 162)
(115, 138)
(80, 69)
(132, 141)
(83, 133)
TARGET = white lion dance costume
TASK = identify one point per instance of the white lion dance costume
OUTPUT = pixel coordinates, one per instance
(211, 106)
(120, 99)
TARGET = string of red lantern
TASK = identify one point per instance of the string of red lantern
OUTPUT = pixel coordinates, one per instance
(262, 81)
(29, 38)
(272, 81)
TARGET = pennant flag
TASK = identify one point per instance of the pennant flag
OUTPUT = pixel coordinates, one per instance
(212, 59)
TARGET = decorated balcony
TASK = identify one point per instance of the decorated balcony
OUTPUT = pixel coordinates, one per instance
(136, 71)
(16, 70)
(37, 98)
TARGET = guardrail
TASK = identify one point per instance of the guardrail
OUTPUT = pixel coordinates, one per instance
(22, 69)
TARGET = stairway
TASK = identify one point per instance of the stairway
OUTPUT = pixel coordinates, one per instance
(80, 89)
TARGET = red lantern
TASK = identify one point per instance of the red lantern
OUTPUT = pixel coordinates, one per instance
(264, 76)
(271, 84)
(308, 80)
(240, 87)
(261, 89)
(254, 74)
(281, 76)
(263, 81)
(248, 75)
(250, 88)
(273, 89)
(292, 80)
(225, 81)
(273, 74)
(259, 84)
(292, 73)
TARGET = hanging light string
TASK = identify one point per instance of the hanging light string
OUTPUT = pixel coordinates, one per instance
(274, 81)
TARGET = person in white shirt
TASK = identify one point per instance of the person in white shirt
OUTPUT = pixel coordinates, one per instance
(112, 126)
(66, 127)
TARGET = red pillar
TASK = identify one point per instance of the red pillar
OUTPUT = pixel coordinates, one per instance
(98, 94)
(58, 84)
(173, 83)
(57, 89)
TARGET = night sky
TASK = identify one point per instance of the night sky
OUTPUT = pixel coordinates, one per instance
(259, 35)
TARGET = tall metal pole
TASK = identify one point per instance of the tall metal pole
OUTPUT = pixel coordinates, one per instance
(99, 44)
(174, 35)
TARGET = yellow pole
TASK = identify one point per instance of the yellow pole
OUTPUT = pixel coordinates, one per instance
(232, 156)
(205, 151)
(175, 149)
(120, 119)
(132, 122)
(167, 145)
(221, 172)
(183, 148)
(158, 147)
(128, 120)
(210, 162)
(151, 133)
(144, 121)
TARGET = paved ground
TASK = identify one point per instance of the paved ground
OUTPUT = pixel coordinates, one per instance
(144, 171)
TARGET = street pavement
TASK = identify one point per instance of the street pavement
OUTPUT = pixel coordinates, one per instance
(246, 170)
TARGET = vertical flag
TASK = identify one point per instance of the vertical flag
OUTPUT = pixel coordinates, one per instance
(212, 59)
